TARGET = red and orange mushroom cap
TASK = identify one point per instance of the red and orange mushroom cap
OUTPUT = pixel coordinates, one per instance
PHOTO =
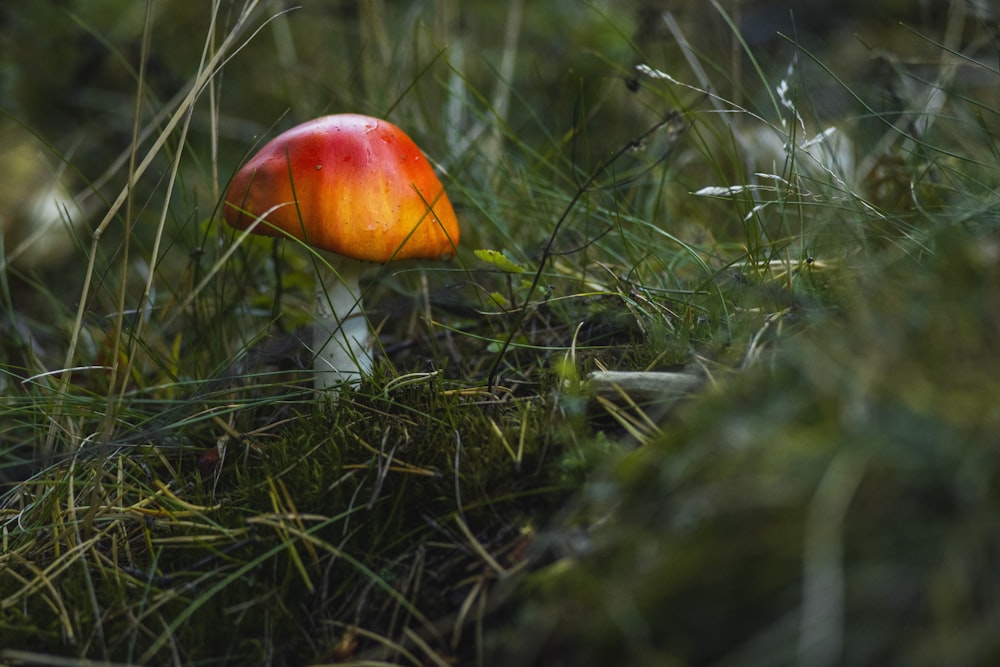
(352, 185)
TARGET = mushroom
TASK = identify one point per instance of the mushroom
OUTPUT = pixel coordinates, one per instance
(358, 190)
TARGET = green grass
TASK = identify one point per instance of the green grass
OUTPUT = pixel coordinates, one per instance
(174, 491)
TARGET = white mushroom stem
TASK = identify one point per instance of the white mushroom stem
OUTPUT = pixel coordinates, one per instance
(341, 338)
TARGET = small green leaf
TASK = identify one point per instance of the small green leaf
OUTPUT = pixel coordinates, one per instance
(500, 261)
(497, 345)
(499, 299)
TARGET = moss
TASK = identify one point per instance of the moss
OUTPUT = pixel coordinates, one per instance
(849, 485)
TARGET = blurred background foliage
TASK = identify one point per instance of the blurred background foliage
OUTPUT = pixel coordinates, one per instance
(68, 68)
(68, 76)
(489, 90)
